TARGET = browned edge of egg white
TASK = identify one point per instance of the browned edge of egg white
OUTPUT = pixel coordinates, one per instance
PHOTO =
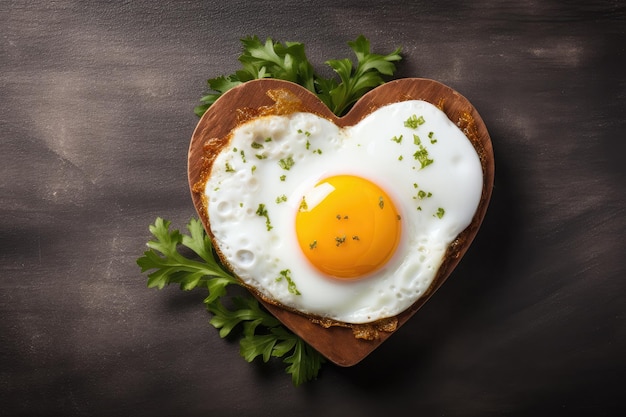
(268, 96)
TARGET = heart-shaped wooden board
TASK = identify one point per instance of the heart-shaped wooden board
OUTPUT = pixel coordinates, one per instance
(338, 344)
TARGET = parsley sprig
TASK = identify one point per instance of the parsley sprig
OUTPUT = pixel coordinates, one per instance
(262, 334)
(166, 262)
(289, 62)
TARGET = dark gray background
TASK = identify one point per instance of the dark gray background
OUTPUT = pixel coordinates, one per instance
(96, 114)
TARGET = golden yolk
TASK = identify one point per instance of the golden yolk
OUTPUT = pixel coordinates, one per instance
(347, 226)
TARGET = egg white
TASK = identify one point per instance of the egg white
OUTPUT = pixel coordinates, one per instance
(241, 183)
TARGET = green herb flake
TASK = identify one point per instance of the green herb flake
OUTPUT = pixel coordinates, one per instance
(262, 211)
(355, 237)
(281, 199)
(257, 145)
(421, 194)
(286, 163)
(381, 202)
(400, 158)
(421, 154)
(229, 168)
(307, 145)
(253, 168)
(339, 240)
(440, 212)
(261, 156)
(313, 245)
(413, 122)
(291, 286)
(397, 139)
(283, 177)
(303, 205)
(243, 156)
(268, 139)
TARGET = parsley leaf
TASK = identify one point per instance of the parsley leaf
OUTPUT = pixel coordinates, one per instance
(262, 334)
(289, 62)
(356, 81)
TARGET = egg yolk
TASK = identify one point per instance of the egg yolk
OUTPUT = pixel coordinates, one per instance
(347, 226)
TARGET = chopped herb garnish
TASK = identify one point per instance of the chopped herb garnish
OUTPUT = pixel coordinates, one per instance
(430, 135)
(355, 237)
(286, 163)
(303, 205)
(229, 168)
(313, 244)
(253, 168)
(318, 151)
(421, 154)
(281, 199)
(413, 122)
(338, 217)
(291, 287)
(257, 145)
(339, 240)
(397, 139)
(268, 139)
(243, 156)
(381, 202)
(261, 156)
(400, 158)
(421, 194)
(440, 212)
(307, 145)
(283, 177)
(262, 211)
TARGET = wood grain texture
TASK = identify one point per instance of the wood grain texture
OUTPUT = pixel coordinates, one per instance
(96, 114)
(338, 344)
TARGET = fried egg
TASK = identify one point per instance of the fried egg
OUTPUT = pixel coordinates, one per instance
(347, 224)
